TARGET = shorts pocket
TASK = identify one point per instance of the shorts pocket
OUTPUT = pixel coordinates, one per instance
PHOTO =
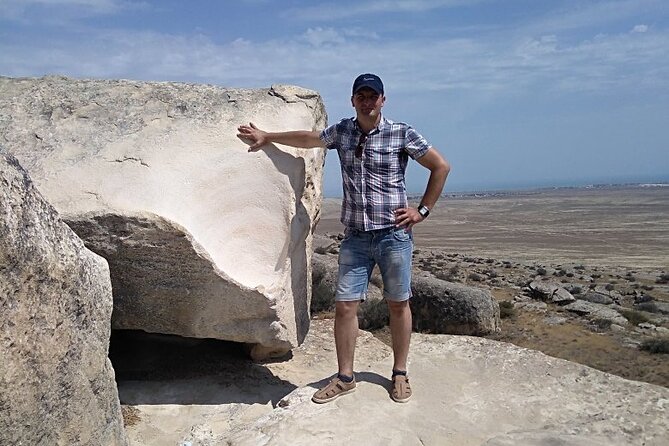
(402, 235)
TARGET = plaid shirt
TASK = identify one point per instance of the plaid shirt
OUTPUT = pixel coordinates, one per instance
(373, 184)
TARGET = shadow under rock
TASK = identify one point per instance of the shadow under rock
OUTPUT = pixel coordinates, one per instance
(167, 369)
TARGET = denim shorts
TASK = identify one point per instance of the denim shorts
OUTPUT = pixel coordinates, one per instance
(390, 248)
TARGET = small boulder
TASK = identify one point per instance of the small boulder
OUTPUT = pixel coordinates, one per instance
(443, 307)
(596, 298)
(596, 311)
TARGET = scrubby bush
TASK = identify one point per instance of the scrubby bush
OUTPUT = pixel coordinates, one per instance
(475, 277)
(656, 345)
(634, 317)
(541, 271)
(506, 309)
(602, 324)
(663, 278)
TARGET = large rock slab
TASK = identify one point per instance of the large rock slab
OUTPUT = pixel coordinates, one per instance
(467, 392)
(56, 383)
(203, 239)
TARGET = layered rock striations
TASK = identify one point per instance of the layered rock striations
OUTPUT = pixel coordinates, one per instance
(203, 238)
(56, 383)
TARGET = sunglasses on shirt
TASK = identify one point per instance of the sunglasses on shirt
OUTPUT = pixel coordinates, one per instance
(361, 145)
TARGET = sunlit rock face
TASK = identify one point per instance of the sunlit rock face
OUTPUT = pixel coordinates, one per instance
(203, 238)
(56, 382)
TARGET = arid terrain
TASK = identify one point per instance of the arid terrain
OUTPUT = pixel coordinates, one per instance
(612, 240)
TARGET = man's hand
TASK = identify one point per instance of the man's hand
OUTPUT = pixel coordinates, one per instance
(252, 133)
(407, 218)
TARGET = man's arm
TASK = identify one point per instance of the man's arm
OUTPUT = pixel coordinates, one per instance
(300, 138)
(439, 169)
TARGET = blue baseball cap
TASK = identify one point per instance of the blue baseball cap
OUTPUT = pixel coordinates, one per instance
(370, 81)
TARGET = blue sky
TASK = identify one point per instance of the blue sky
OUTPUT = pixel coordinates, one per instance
(515, 93)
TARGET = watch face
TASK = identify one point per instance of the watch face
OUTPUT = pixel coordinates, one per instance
(423, 211)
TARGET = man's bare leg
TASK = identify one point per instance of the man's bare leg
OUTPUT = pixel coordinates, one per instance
(400, 329)
(346, 333)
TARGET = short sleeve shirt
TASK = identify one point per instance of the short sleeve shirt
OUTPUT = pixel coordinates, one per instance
(373, 185)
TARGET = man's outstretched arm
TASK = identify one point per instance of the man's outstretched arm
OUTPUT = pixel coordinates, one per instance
(305, 139)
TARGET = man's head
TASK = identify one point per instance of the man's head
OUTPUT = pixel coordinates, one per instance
(368, 98)
(368, 80)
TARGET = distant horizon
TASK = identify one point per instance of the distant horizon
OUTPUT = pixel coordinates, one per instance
(521, 187)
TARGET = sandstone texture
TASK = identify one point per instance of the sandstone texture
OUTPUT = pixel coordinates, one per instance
(203, 238)
(56, 383)
(467, 391)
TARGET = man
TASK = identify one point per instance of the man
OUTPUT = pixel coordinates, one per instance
(373, 152)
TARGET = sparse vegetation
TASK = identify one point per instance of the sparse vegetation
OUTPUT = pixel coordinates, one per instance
(655, 345)
(602, 324)
(475, 277)
(130, 415)
(506, 309)
(663, 278)
(634, 317)
(541, 271)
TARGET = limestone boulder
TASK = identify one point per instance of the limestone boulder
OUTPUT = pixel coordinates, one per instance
(439, 306)
(594, 311)
(56, 382)
(551, 292)
(203, 238)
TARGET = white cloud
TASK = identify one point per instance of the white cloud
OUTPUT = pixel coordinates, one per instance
(63, 11)
(342, 10)
(591, 14)
(640, 29)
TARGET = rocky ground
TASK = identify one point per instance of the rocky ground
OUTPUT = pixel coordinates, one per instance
(606, 246)
(614, 319)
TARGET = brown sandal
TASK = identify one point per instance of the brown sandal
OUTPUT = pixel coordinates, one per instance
(333, 390)
(401, 391)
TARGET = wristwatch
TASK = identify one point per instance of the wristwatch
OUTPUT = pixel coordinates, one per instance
(423, 210)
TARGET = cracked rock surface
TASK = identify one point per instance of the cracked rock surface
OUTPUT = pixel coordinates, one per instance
(56, 383)
(203, 238)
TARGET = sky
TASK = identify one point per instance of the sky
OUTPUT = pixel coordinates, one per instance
(514, 93)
